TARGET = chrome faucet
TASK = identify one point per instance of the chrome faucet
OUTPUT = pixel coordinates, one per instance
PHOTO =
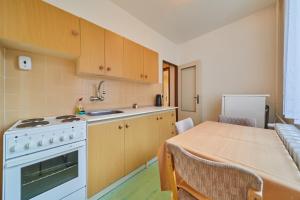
(99, 93)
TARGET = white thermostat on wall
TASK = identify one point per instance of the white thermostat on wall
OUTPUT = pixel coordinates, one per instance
(24, 63)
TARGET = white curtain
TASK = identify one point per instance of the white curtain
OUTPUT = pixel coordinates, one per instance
(291, 85)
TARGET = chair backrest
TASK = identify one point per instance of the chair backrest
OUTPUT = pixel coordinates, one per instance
(184, 125)
(214, 180)
(237, 120)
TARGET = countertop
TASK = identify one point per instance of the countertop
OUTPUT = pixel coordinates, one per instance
(127, 112)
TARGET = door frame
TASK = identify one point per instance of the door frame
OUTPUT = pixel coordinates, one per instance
(168, 70)
(199, 109)
(176, 83)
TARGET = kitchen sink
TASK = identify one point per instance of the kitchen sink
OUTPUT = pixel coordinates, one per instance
(103, 112)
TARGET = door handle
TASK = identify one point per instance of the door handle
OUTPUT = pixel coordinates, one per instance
(197, 98)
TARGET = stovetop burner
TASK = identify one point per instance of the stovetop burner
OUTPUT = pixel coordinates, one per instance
(32, 120)
(71, 119)
(32, 124)
(65, 117)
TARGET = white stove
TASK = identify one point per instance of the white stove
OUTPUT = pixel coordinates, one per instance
(46, 157)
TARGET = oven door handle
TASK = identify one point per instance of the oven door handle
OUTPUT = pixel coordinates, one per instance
(44, 155)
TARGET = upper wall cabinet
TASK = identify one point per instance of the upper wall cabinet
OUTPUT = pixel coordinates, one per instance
(33, 24)
(91, 60)
(36, 26)
(114, 45)
(133, 61)
(150, 66)
(140, 63)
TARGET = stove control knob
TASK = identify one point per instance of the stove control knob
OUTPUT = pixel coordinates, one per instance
(51, 140)
(12, 149)
(71, 137)
(40, 143)
(62, 138)
(27, 146)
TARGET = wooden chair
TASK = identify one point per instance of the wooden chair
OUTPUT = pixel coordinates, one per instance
(184, 125)
(208, 180)
(237, 121)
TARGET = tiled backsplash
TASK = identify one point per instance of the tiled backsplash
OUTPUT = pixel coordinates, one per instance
(52, 88)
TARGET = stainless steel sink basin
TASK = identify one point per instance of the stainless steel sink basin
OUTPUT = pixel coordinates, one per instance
(103, 112)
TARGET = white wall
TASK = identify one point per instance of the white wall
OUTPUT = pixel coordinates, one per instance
(234, 59)
(108, 15)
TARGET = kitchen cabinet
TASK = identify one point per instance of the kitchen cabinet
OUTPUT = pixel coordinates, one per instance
(91, 60)
(166, 123)
(105, 155)
(150, 66)
(133, 60)
(60, 30)
(140, 63)
(151, 135)
(114, 47)
(117, 148)
(33, 24)
(141, 141)
(135, 142)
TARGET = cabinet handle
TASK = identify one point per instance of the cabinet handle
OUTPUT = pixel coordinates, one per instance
(160, 118)
(75, 33)
(101, 67)
(146, 76)
(127, 126)
(142, 76)
(157, 118)
(108, 69)
(120, 127)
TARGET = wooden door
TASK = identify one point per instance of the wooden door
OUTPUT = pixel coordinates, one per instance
(91, 60)
(61, 31)
(114, 46)
(133, 60)
(105, 155)
(150, 66)
(135, 143)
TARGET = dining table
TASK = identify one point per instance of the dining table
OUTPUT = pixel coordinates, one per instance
(258, 150)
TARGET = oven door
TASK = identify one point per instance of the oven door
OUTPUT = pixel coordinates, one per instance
(52, 174)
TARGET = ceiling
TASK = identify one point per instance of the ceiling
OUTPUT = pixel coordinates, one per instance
(183, 20)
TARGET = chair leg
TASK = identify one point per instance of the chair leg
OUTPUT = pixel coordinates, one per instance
(172, 176)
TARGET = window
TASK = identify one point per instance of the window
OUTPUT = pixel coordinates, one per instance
(291, 93)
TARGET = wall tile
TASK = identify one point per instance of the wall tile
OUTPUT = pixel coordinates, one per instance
(53, 88)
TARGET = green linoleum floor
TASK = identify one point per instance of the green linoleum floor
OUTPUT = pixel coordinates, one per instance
(143, 186)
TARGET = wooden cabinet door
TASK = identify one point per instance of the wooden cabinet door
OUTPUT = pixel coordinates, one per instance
(91, 60)
(21, 21)
(60, 30)
(135, 143)
(151, 136)
(114, 46)
(105, 155)
(133, 61)
(166, 126)
(36, 25)
(150, 66)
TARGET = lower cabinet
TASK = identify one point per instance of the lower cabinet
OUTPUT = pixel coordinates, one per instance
(166, 126)
(117, 148)
(105, 155)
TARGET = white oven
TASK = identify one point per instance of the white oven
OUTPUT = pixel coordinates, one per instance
(52, 174)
